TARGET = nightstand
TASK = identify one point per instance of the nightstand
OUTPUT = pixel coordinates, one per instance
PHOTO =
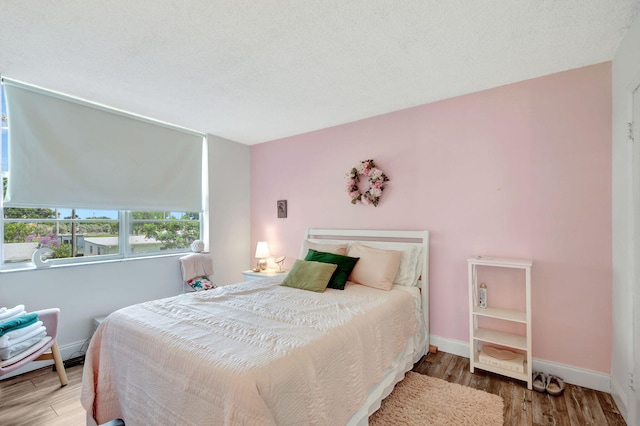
(251, 275)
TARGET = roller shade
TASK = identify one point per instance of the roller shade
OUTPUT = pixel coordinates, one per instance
(65, 152)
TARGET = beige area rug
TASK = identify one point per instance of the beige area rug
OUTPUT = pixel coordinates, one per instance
(423, 400)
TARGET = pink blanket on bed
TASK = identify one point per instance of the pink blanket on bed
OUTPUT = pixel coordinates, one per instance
(247, 354)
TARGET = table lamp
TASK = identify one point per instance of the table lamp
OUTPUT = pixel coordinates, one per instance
(262, 252)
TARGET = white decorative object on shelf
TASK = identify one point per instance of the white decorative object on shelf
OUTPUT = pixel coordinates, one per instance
(483, 296)
(482, 354)
(38, 257)
(515, 362)
(197, 246)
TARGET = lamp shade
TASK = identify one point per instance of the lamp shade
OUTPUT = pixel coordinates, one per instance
(262, 250)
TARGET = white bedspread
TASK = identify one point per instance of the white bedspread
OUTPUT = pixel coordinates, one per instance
(254, 353)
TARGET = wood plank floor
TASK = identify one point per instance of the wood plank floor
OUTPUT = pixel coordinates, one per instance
(36, 398)
(576, 405)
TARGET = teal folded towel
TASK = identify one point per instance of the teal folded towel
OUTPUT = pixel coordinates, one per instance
(18, 322)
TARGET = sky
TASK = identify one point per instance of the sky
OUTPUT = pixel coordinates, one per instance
(83, 214)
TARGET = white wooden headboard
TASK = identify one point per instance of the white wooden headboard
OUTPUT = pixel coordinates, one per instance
(420, 238)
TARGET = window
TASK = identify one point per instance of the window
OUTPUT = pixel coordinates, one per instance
(68, 232)
(83, 234)
(158, 231)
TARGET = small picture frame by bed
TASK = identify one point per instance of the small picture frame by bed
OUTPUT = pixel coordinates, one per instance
(282, 209)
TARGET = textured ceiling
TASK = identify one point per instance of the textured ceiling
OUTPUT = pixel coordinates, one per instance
(253, 71)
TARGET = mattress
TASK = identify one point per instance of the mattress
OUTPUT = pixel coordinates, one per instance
(253, 353)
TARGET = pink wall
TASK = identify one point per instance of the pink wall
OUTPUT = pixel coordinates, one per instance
(518, 171)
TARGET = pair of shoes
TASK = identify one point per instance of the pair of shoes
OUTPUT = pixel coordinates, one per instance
(539, 381)
(551, 384)
(555, 385)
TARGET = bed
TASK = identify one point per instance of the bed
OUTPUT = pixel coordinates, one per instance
(260, 352)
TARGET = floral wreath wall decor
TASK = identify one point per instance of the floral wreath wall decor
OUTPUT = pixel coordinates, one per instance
(377, 180)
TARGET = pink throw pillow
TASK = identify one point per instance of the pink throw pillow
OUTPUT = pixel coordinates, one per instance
(376, 268)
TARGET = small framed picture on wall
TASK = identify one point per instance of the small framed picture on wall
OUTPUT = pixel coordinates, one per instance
(282, 209)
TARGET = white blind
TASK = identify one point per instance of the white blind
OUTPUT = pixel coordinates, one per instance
(65, 152)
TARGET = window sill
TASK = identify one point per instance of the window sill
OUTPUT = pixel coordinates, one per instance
(30, 266)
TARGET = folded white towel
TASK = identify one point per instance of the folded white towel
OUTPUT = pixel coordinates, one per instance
(17, 336)
(196, 265)
(13, 312)
(24, 346)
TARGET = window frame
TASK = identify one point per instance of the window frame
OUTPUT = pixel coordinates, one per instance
(4, 127)
(125, 250)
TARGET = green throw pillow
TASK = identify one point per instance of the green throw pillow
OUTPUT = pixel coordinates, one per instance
(313, 276)
(345, 266)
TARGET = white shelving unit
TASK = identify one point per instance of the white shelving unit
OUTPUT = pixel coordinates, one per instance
(479, 336)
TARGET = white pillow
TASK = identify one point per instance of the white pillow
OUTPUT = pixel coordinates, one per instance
(327, 248)
(409, 264)
(376, 268)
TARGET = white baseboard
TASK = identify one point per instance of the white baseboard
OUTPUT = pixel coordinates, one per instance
(574, 375)
(451, 346)
(74, 350)
(69, 351)
(620, 397)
